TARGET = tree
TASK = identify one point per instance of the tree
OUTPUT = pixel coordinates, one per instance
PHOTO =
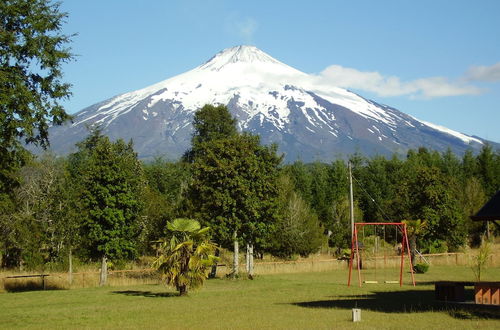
(472, 198)
(427, 194)
(187, 255)
(488, 170)
(110, 182)
(210, 123)
(298, 230)
(32, 51)
(320, 192)
(162, 198)
(234, 190)
(41, 226)
(233, 187)
(415, 228)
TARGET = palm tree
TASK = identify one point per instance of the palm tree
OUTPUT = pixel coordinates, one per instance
(415, 228)
(187, 255)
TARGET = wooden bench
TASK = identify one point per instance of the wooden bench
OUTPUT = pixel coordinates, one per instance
(42, 276)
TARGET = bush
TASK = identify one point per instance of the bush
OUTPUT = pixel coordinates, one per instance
(421, 268)
(437, 246)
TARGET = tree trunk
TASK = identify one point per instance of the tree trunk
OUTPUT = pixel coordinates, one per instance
(70, 267)
(247, 259)
(183, 290)
(213, 271)
(413, 248)
(235, 255)
(250, 261)
(104, 271)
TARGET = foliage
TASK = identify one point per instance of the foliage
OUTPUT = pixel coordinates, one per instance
(43, 212)
(435, 246)
(187, 255)
(32, 52)
(298, 230)
(110, 183)
(479, 261)
(210, 123)
(234, 188)
(162, 198)
(427, 194)
(472, 198)
(421, 268)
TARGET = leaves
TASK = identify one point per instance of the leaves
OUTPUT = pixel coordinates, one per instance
(187, 255)
(233, 186)
(110, 182)
(32, 51)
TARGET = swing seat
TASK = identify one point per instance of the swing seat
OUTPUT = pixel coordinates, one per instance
(392, 282)
(370, 282)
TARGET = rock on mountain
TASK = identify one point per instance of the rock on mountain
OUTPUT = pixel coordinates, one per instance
(306, 117)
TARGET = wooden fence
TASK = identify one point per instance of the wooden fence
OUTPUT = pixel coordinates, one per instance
(314, 264)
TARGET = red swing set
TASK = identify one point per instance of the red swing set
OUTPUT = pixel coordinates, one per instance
(404, 245)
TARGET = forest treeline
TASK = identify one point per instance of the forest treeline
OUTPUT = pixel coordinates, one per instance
(102, 203)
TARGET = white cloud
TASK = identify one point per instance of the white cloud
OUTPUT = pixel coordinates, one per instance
(375, 82)
(243, 27)
(246, 28)
(484, 73)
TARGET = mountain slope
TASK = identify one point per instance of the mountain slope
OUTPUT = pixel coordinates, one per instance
(306, 117)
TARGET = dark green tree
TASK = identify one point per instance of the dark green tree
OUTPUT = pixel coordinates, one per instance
(430, 196)
(234, 189)
(320, 192)
(110, 185)
(301, 177)
(469, 165)
(210, 123)
(163, 197)
(488, 170)
(32, 52)
(450, 164)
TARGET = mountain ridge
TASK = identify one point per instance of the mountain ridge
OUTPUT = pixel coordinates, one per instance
(306, 117)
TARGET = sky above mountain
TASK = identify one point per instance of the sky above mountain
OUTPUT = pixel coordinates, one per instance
(436, 60)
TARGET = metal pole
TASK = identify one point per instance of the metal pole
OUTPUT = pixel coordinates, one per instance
(357, 254)
(403, 244)
(409, 254)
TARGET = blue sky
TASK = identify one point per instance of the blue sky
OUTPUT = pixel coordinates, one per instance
(436, 60)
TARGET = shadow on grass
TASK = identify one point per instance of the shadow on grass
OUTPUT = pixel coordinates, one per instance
(30, 285)
(148, 294)
(411, 301)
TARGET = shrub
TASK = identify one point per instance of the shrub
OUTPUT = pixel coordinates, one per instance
(437, 246)
(421, 268)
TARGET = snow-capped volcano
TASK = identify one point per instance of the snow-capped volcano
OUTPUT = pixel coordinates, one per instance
(308, 118)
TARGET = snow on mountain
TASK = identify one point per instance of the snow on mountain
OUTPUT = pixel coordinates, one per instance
(308, 118)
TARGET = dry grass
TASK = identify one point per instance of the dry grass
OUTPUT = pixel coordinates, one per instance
(377, 267)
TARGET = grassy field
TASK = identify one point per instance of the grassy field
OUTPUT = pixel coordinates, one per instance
(306, 300)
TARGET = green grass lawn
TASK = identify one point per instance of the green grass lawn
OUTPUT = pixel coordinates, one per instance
(307, 300)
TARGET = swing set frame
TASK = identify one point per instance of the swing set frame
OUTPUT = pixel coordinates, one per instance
(404, 245)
